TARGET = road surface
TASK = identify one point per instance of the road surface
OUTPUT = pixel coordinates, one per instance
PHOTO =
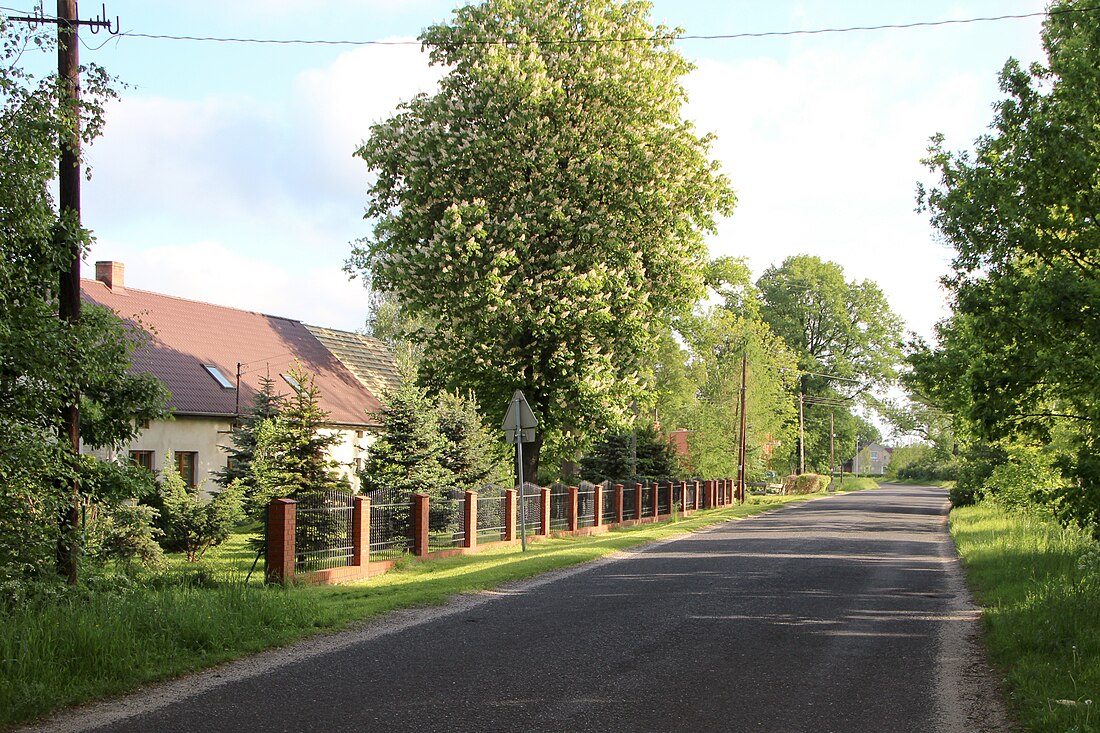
(843, 614)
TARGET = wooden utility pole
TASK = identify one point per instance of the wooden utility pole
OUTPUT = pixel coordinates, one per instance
(801, 434)
(68, 180)
(741, 450)
(832, 444)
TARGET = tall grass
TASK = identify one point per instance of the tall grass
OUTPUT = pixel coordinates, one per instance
(87, 643)
(1039, 588)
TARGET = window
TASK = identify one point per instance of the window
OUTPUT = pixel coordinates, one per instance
(874, 455)
(291, 381)
(143, 458)
(220, 378)
(185, 464)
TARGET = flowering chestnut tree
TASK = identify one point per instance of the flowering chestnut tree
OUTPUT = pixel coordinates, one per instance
(545, 207)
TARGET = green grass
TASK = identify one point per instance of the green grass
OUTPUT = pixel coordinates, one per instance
(94, 643)
(1039, 588)
(856, 483)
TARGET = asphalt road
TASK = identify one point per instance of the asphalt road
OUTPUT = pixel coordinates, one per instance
(843, 614)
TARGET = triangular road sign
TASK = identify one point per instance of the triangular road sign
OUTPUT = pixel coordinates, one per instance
(525, 420)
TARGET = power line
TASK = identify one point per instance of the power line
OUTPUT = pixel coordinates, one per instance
(601, 41)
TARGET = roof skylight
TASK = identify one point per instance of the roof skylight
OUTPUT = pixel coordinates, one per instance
(218, 376)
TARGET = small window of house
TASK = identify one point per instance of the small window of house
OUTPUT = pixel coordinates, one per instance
(186, 462)
(874, 455)
(143, 458)
(291, 381)
(220, 378)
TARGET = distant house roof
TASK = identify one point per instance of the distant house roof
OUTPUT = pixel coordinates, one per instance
(189, 337)
(368, 359)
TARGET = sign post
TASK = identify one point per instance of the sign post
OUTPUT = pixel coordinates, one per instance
(519, 427)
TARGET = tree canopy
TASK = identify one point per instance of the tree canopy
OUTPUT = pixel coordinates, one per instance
(545, 207)
(1017, 361)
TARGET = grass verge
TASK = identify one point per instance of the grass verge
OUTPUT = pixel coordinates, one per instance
(96, 642)
(1039, 587)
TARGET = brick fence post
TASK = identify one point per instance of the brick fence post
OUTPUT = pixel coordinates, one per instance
(707, 491)
(509, 515)
(671, 506)
(597, 505)
(360, 532)
(282, 516)
(420, 524)
(619, 503)
(638, 501)
(683, 496)
(573, 507)
(544, 519)
(470, 522)
(696, 490)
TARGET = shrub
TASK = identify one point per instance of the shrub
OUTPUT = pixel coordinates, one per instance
(806, 483)
(191, 523)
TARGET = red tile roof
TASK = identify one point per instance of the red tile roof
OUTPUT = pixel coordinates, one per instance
(186, 334)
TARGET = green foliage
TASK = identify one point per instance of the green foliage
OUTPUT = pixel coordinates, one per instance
(623, 457)
(190, 522)
(127, 533)
(1026, 479)
(544, 208)
(249, 438)
(836, 327)
(474, 456)
(806, 483)
(44, 363)
(1017, 359)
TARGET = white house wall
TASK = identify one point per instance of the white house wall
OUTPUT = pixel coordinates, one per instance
(205, 435)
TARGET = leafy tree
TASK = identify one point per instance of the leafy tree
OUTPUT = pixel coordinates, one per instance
(45, 364)
(1016, 362)
(544, 208)
(190, 522)
(840, 328)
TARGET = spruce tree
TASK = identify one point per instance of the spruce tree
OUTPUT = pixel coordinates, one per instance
(247, 439)
(470, 452)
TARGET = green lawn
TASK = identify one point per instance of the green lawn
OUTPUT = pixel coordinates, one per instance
(1039, 588)
(100, 641)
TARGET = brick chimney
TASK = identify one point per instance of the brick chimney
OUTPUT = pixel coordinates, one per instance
(111, 274)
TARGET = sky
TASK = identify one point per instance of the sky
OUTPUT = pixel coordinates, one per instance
(226, 171)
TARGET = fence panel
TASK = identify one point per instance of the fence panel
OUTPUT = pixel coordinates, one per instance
(630, 502)
(648, 495)
(608, 515)
(559, 507)
(529, 510)
(390, 524)
(447, 520)
(490, 514)
(660, 489)
(586, 504)
(323, 536)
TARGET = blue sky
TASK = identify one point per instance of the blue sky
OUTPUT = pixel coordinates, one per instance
(226, 171)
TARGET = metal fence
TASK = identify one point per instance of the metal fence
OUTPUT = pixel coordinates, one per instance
(529, 510)
(559, 507)
(586, 504)
(630, 501)
(447, 520)
(390, 524)
(660, 489)
(490, 514)
(323, 534)
(608, 515)
(648, 495)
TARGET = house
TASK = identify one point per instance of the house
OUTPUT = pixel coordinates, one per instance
(872, 459)
(212, 359)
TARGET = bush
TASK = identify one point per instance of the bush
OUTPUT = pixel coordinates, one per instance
(1027, 478)
(806, 483)
(189, 522)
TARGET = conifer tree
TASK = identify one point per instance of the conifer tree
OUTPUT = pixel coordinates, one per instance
(469, 452)
(253, 428)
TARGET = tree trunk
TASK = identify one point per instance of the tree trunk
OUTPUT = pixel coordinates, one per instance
(531, 453)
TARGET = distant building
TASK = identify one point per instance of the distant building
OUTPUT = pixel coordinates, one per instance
(211, 358)
(872, 459)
